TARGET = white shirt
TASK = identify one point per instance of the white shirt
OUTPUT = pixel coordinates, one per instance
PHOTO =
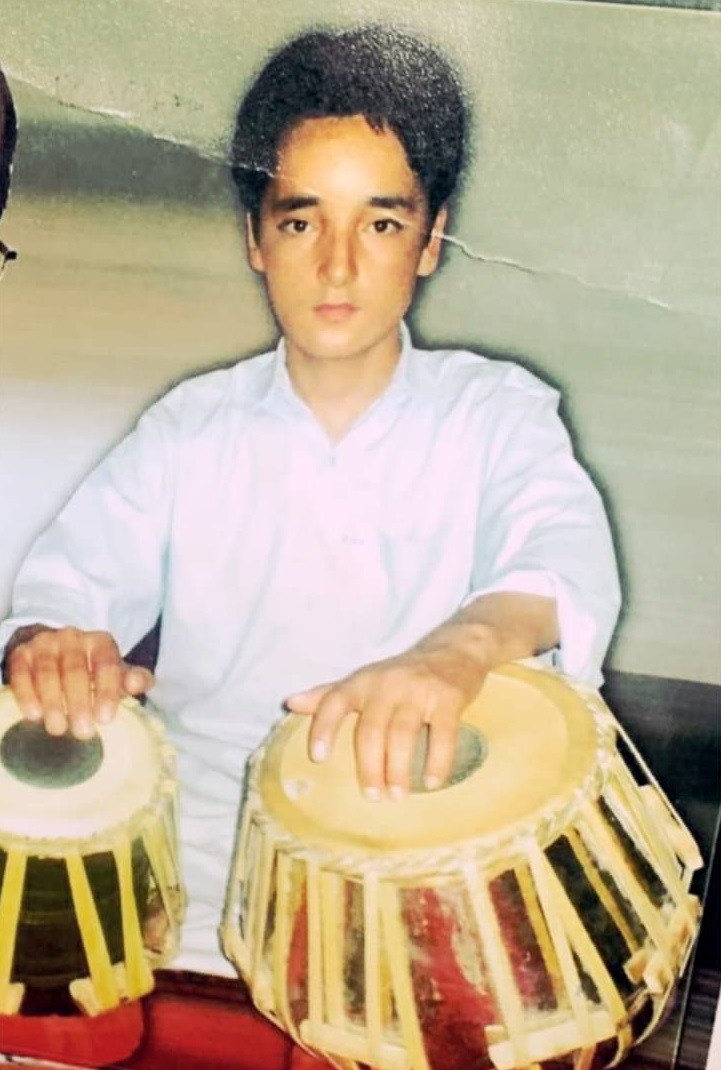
(280, 560)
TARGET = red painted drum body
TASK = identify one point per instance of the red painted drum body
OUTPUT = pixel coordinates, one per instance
(534, 911)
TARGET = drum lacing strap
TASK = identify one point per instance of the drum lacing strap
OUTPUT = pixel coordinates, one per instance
(683, 842)
(164, 868)
(651, 828)
(283, 936)
(234, 946)
(568, 932)
(671, 935)
(371, 967)
(395, 939)
(105, 989)
(332, 890)
(315, 947)
(11, 897)
(139, 977)
(605, 897)
(498, 963)
(257, 922)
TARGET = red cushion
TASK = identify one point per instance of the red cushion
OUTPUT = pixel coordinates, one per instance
(302, 1060)
(80, 1041)
(200, 1034)
(188, 1023)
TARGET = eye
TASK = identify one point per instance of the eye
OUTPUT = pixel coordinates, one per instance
(294, 226)
(386, 226)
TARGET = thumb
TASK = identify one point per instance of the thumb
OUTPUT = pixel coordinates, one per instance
(307, 701)
(137, 680)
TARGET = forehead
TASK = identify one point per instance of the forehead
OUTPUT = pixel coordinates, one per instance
(344, 154)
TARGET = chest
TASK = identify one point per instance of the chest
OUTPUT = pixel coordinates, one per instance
(265, 483)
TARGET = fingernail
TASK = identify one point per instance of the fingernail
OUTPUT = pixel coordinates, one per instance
(432, 782)
(83, 728)
(104, 714)
(396, 792)
(319, 750)
(56, 724)
(372, 794)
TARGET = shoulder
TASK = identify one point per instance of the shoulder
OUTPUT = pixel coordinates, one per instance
(460, 375)
(214, 397)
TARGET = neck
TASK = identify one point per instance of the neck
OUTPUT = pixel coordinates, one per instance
(338, 390)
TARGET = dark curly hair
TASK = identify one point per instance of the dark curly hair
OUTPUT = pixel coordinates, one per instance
(8, 137)
(395, 79)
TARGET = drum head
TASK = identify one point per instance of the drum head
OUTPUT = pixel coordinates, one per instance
(528, 747)
(59, 788)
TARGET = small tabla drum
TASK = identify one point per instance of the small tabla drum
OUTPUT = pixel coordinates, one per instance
(533, 911)
(90, 893)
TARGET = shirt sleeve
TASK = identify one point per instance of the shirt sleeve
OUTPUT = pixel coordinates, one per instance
(542, 529)
(100, 564)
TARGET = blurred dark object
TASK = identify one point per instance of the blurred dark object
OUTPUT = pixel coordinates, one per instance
(145, 653)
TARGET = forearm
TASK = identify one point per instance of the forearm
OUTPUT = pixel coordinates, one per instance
(495, 628)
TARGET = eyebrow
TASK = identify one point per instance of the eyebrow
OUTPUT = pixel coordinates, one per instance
(391, 203)
(407, 204)
(293, 204)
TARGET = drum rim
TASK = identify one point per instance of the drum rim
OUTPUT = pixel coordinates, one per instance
(269, 809)
(134, 815)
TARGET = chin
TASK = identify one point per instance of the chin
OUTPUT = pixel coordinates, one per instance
(333, 344)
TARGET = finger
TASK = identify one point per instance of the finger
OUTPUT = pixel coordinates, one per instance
(49, 687)
(76, 685)
(107, 671)
(136, 679)
(333, 707)
(307, 702)
(20, 679)
(403, 736)
(371, 747)
(443, 733)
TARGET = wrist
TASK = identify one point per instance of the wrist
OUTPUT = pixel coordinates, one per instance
(476, 641)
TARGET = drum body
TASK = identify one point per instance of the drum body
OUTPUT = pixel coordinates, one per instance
(90, 892)
(533, 911)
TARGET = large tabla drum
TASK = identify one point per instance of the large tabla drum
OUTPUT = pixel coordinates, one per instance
(90, 891)
(535, 910)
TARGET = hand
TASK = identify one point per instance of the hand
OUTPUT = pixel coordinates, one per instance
(395, 699)
(430, 685)
(69, 679)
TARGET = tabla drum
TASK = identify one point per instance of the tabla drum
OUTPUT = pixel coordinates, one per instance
(534, 911)
(90, 892)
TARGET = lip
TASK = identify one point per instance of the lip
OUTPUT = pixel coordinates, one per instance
(335, 311)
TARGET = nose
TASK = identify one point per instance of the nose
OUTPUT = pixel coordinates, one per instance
(338, 257)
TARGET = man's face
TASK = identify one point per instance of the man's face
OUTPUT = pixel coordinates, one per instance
(343, 237)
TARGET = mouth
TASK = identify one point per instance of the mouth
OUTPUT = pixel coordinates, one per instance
(335, 311)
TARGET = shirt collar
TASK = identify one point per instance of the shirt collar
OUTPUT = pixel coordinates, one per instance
(275, 391)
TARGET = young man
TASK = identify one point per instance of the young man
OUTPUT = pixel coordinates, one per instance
(344, 524)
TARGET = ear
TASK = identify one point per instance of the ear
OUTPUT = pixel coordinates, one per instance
(432, 249)
(255, 256)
